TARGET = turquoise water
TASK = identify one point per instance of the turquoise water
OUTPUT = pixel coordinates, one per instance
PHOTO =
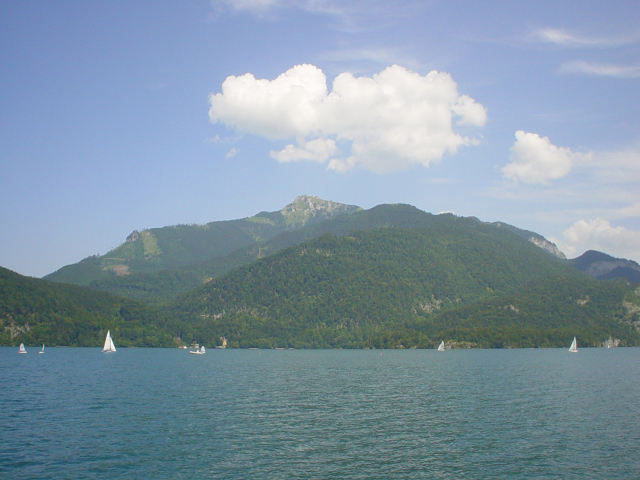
(294, 414)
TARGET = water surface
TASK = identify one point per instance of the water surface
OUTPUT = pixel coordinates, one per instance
(317, 414)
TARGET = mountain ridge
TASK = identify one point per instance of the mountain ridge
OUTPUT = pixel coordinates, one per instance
(392, 276)
(156, 249)
(388, 287)
(134, 269)
(603, 266)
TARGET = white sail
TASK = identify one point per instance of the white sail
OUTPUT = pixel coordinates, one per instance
(42, 351)
(202, 349)
(108, 344)
(441, 346)
(22, 349)
(574, 346)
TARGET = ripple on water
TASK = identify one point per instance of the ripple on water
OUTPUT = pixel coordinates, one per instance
(74, 413)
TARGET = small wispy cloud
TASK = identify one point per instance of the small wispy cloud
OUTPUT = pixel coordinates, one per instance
(601, 69)
(380, 55)
(571, 40)
(347, 16)
(255, 7)
(270, 8)
(566, 39)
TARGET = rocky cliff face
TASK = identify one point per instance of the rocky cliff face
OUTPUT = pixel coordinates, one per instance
(305, 209)
(534, 238)
(548, 246)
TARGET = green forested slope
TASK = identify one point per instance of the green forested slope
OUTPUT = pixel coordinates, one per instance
(547, 312)
(386, 277)
(34, 311)
(389, 286)
(157, 249)
(161, 287)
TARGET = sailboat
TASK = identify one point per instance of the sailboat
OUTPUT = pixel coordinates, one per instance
(200, 351)
(22, 349)
(108, 344)
(574, 346)
(42, 351)
(441, 346)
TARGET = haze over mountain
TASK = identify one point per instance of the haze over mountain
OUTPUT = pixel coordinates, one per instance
(602, 266)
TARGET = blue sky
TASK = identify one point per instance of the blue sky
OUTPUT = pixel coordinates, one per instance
(117, 116)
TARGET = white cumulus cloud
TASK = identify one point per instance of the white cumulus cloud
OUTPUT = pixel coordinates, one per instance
(600, 235)
(389, 121)
(534, 159)
(286, 107)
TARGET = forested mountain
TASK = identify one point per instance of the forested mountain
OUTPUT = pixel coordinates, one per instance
(154, 266)
(158, 249)
(602, 266)
(547, 312)
(391, 286)
(319, 274)
(163, 286)
(35, 311)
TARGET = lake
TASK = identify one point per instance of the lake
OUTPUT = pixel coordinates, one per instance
(316, 414)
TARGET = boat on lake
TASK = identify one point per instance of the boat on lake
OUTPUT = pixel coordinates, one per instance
(574, 346)
(21, 349)
(109, 347)
(441, 346)
(42, 351)
(198, 351)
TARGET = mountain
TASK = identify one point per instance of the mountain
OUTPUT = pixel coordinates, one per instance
(390, 286)
(323, 275)
(35, 311)
(157, 249)
(163, 286)
(602, 266)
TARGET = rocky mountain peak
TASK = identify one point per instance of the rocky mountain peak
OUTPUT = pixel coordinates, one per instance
(308, 208)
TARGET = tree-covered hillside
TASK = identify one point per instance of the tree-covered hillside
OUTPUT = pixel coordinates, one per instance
(547, 312)
(162, 287)
(35, 311)
(319, 274)
(389, 286)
